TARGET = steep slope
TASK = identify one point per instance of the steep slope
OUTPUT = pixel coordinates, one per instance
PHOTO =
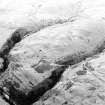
(81, 84)
(32, 65)
(41, 41)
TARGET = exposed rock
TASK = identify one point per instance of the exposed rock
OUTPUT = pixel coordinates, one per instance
(87, 89)
(43, 55)
(62, 52)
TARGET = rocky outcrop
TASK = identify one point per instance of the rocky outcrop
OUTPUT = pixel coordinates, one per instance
(22, 82)
(81, 84)
(41, 61)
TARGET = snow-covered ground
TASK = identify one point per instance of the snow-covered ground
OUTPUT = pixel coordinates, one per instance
(62, 31)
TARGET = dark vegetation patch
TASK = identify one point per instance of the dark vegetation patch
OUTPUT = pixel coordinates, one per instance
(16, 37)
(68, 85)
(27, 99)
(2, 94)
(52, 92)
(65, 103)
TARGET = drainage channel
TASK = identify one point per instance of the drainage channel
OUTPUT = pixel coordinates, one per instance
(21, 98)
